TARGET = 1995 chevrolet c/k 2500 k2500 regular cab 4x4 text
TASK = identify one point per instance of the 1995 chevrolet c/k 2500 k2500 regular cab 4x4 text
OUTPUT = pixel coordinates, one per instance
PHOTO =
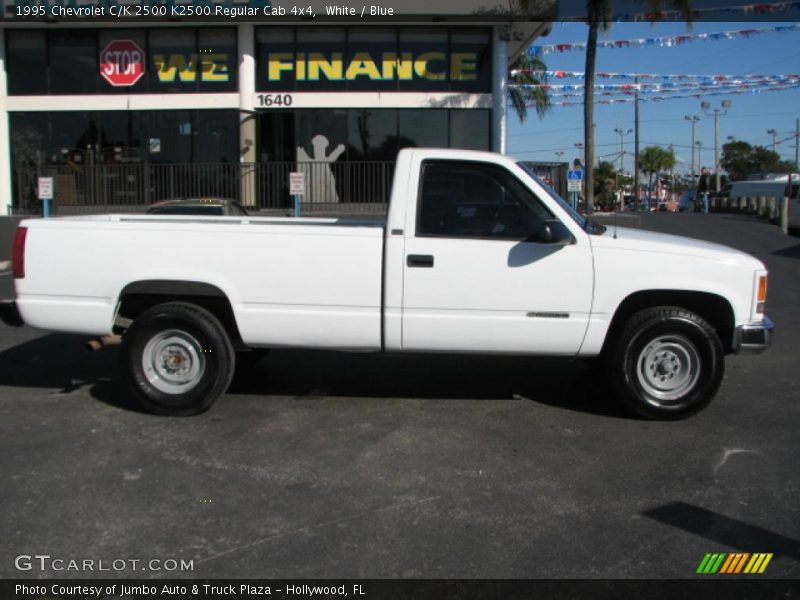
(476, 255)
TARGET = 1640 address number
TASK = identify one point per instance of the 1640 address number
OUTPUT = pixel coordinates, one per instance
(280, 100)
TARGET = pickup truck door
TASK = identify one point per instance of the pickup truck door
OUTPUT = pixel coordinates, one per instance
(476, 280)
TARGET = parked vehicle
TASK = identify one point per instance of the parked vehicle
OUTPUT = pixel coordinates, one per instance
(777, 187)
(477, 255)
(198, 206)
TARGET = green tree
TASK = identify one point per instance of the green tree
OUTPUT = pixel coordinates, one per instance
(653, 160)
(740, 159)
(523, 97)
(600, 13)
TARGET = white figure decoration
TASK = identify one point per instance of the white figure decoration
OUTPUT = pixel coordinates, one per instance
(320, 182)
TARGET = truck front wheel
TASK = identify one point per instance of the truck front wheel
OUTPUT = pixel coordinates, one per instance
(668, 363)
(177, 359)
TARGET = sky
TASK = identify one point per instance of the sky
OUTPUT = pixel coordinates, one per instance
(663, 123)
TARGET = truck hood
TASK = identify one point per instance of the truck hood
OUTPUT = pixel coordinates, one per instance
(639, 240)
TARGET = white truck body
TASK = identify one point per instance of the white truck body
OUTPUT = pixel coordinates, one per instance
(324, 283)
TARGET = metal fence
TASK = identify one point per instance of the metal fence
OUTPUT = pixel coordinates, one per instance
(331, 188)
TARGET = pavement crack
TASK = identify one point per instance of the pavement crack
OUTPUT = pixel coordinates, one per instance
(728, 452)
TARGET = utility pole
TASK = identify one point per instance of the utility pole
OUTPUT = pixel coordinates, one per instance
(699, 145)
(706, 106)
(693, 119)
(774, 134)
(621, 133)
(636, 141)
(796, 144)
(672, 173)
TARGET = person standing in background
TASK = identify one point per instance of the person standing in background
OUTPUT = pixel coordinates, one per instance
(702, 190)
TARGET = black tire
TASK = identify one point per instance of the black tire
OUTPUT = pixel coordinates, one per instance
(202, 354)
(667, 363)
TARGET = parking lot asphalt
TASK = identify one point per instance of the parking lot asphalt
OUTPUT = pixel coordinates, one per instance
(326, 465)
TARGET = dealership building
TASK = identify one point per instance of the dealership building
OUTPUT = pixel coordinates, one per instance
(123, 116)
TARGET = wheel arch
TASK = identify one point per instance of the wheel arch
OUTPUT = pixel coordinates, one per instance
(715, 309)
(138, 296)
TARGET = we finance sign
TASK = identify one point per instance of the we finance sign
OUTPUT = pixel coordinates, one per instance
(381, 64)
(123, 63)
(385, 66)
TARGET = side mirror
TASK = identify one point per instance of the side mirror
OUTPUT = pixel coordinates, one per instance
(553, 233)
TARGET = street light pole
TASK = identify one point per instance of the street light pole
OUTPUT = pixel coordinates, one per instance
(706, 106)
(774, 134)
(579, 146)
(693, 119)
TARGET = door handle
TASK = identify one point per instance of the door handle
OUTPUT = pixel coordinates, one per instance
(420, 260)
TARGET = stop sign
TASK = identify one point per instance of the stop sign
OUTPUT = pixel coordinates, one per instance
(122, 63)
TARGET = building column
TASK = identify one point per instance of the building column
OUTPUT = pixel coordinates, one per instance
(5, 134)
(247, 120)
(500, 89)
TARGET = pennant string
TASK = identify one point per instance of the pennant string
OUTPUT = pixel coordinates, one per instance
(664, 42)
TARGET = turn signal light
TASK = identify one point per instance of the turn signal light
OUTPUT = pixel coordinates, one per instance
(762, 288)
(761, 298)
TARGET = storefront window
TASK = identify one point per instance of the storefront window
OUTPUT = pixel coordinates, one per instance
(176, 60)
(428, 48)
(373, 59)
(356, 135)
(123, 137)
(29, 140)
(137, 36)
(73, 62)
(425, 128)
(372, 134)
(26, 62)
(469, 129)
(471, 59)
(321, 135)
(319, 60)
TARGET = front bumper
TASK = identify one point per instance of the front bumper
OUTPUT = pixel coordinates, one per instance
(753, 338)
(9, 313)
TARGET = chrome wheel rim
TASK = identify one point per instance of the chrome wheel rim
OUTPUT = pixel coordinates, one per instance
(668, 367)
(173, 362)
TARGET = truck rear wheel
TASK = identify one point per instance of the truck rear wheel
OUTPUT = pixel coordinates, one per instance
(177, 359)
(668, 363)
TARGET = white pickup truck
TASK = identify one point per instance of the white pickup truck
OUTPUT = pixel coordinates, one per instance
(477, 255)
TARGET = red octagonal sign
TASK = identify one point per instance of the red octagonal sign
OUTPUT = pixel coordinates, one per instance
(122, 63)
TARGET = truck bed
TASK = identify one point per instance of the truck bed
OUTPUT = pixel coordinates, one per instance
(287, 280)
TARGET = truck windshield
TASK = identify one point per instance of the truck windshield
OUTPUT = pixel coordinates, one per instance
(581, 221)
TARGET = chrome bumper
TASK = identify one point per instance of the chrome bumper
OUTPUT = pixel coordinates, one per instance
(9, 313)
(753, 337)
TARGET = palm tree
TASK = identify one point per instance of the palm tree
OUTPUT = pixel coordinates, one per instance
(604, 177)
(600, 13)
(524, 97)
(653, 160)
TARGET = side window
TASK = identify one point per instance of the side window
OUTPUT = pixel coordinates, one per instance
(471, 199)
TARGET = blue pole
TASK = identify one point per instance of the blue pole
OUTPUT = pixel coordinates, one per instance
(297, 205)
(46, 210)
